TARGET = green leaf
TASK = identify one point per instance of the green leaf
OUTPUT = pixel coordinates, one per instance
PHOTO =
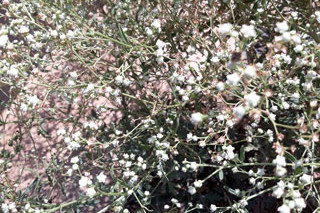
(250, 147)
(123, 35)
(290, 157)
(231, 191)
(28, 189)
(242, 154)
(113, 176)
(32, 171)
(221, 175)
(298, 171)
(172, 189)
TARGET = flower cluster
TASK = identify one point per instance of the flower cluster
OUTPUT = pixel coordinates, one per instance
(164, 106)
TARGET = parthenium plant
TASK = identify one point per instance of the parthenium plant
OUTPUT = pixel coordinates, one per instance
(169, 106)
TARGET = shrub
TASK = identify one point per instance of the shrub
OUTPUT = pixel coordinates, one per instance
(169, 106)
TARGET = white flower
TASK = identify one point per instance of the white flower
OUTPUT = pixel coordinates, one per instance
(119, 80)
(71, 82)
(282, 27)
(70, 34)
(252, 180)
(173, 200)
(237, 192)
(250, 72)
(23, 29)
(109, 89)
(202, 144)
(62, 36)
(146, 193)
(298, 48)
(148, 31)
(128, 164)
(192, 190)
(196, 118)
(317, 13)
(296, 96)
(234, 34)
(230, 154)
(243, 203)
(91, 192)
(33, 100)
(67, 140)
(291, 204)
(91, 124)
(160, 44)
(198, 184)
(74, 159)
(69, 172)
(213, 208)
(162, 155)
(73, 145)
(296, 38)
(3, 40)
(220, 117)
(286, 36)
(300, 203)
(27, 206)
(5, 207)
(248, 31)
(260, 172)
(294, 14)
(54, 33)
(229, 123)
(73, 75)
(284, 209)
(219, 158)
(225, 28)
(285, 105)
(278, 192)
(84, 181)
(12, 207)
(75, 166)
(140, 159)
(280, 161)
(287, 59)
(280, 171)
(252, 99)
(281, 184)
(239, 111)
(274, 108)
(260, 185)
(215, 59)
(101, 178)
(305, 179)
(13, 72)
(159, 52)
(156, 24)
(30, 38)
(76, 135)
(260, 10)
(89, 88)
(61, 132)
(220, 86)
(296, 194)
(233, 79)
(193, 166)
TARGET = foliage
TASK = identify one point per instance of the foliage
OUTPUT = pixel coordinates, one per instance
(162, 106)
